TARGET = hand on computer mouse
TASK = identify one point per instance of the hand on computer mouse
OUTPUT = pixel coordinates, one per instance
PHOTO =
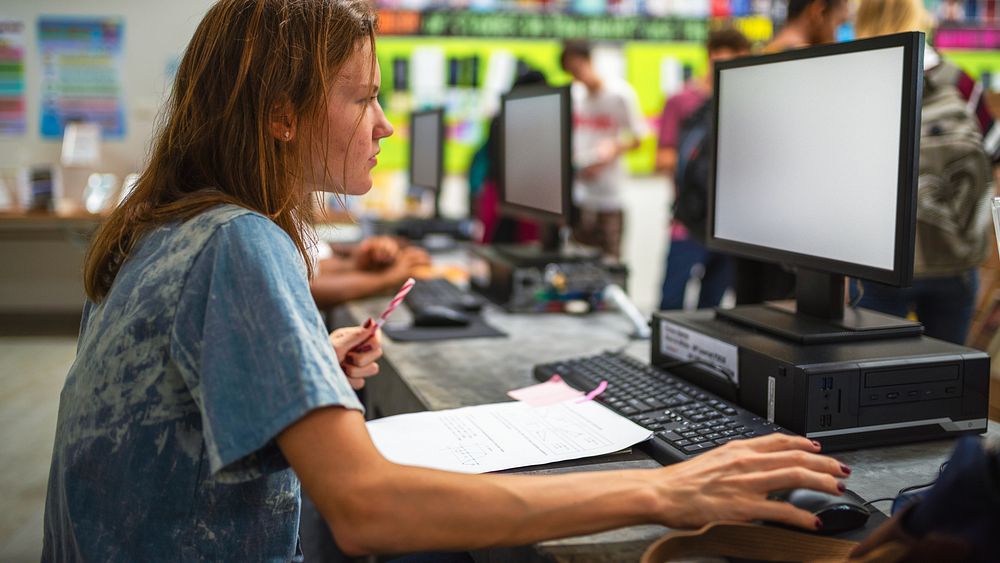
(837, 513)
(732, 482)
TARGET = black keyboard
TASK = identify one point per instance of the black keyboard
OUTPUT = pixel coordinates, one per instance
(685, 419)
(441, 292)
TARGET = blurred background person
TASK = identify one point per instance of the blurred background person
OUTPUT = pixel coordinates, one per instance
(954, 186)
(498, 228)
(684, 153)
(810, 22)
(607, 122)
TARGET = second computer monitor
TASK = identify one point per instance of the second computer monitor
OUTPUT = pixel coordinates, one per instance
(535, 171)
(427, 149)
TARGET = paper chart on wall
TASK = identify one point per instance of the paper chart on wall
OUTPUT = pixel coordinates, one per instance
(81, 74)
(503, 435)
(12, 112)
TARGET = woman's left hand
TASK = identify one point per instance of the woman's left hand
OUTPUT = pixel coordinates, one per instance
(357, 351)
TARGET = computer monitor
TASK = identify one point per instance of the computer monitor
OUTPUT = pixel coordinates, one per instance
(535, 174)
(427, 152)
(815, 167)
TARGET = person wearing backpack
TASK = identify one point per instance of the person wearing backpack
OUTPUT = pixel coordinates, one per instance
(684, 153)
(954, 186)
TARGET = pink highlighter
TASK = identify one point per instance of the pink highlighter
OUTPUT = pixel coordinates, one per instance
(374, 326)
(400, 295)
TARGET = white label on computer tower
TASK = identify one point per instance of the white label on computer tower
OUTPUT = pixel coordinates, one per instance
(720, 358)
(770, 399)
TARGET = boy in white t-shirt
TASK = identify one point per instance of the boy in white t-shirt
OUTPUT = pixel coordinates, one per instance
(607, 122)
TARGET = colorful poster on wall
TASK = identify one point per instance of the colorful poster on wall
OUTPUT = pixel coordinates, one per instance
(12, 111)
(81, 74)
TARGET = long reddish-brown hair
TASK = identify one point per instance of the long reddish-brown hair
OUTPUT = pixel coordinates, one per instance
(247, 60)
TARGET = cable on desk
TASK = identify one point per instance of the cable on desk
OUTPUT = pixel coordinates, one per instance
(861, 293)
(911, 488)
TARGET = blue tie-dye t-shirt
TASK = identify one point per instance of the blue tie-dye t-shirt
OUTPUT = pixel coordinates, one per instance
(207, 346)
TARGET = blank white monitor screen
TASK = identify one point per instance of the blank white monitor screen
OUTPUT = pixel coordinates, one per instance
(808, 156)
(532, 166)
(426, 139)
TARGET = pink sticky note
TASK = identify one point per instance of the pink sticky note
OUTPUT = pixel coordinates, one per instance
(551, 392)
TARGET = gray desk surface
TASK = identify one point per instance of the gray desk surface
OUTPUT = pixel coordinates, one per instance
(454, 373)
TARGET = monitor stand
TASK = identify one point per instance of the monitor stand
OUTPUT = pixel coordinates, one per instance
(818, 315)
(549, 251)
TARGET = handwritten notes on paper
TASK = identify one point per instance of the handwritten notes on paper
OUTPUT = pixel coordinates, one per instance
(503, 435)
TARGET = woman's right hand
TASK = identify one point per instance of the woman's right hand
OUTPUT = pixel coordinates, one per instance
(732, 482)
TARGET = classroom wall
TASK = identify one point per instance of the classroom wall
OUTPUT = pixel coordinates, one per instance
(155, 33)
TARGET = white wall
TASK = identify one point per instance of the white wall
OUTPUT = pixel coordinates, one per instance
(155, 33)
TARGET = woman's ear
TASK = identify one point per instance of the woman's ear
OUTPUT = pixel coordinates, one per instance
(282, 122)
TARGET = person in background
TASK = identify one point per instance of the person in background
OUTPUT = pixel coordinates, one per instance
(376, 265)
(607, 122)
(498, 228)
(810, 22)
(686, 121)
(884, 18)
(206, 390)
(954, 185)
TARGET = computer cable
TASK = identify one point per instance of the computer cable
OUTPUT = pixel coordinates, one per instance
(861, 293)
(909, 489)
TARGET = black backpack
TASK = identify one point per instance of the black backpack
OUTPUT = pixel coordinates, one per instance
(694, 159)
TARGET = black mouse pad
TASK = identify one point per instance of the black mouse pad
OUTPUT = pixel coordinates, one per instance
(477, 328)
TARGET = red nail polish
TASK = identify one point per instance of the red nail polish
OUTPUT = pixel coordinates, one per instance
(841, 487)
(368, 323)
(815, 443)
(368, 348)
(845, 469)
(818, 524)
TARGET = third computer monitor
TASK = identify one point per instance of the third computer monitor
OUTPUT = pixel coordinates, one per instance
(535, 172)
(427, 149)
(815, 162)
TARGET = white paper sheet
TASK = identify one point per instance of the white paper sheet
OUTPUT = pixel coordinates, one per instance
(503, 435)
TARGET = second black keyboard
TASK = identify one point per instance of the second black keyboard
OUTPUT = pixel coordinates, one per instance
(441, 292)
(685, 419)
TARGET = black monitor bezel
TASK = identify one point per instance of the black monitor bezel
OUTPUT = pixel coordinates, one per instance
(902, 272)
(566, 163)
(439, 111)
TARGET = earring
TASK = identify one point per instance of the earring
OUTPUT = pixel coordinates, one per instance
(288, 135)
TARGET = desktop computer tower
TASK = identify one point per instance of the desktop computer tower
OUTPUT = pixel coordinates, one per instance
(846, 395)
(521, 278)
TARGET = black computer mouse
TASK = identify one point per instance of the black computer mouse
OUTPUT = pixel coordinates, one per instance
(470, 303)
(438, 315)
(838, 513)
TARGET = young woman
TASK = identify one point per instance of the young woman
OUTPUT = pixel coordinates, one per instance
(205, 387)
